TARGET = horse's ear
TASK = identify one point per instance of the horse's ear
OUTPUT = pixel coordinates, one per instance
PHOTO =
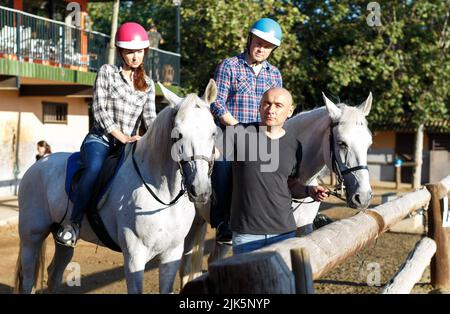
(365, 106)
(210, 94)
(333, 110)
(171, 97)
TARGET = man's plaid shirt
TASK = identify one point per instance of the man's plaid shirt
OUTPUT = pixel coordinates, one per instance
(116, 105)
(240, 90)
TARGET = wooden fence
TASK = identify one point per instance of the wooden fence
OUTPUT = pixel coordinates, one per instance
(291, 266)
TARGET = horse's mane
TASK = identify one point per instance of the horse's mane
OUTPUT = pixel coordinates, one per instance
(350, 115)
(160, 131)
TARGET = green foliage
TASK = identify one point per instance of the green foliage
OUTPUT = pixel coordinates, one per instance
(404, 62)
(327, 46)
(214, 30)
(159, 12)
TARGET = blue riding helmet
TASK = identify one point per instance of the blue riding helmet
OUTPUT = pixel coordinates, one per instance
(267, 29)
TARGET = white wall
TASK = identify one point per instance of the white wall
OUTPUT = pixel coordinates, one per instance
(21, 120)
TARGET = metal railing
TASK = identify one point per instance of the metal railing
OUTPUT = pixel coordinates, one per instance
(163, 66)
(30, 38)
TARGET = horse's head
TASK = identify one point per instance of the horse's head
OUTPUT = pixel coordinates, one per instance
(349, 141)
(193, 136)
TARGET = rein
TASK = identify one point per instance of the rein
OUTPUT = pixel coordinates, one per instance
(175, 200)
(180, 163)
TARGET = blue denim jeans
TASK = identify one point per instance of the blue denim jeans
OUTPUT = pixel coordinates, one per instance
(94, 151)
(222, 185)
(244, 242)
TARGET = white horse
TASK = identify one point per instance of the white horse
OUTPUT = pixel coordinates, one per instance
(334, 136)
(143, 227)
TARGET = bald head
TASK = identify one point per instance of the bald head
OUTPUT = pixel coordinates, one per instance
(276, 106)
(280, 92)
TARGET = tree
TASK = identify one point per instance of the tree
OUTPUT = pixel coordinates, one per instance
(404, 62)
(327, 46)
(214, 30)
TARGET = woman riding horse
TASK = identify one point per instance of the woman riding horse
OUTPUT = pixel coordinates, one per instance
(121, 96)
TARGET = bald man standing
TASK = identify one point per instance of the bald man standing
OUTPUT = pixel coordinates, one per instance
(263, 187)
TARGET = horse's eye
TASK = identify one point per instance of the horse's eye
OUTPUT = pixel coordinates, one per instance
(214, 134)
(342, 144)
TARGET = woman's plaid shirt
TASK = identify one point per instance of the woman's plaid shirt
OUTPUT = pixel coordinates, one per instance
(116, 105)
(240, 90)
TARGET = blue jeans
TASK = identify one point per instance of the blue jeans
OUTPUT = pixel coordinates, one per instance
(244, 242)
(222, 185)
(94, 151)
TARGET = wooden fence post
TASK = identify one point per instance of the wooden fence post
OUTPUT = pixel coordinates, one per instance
(301, 267)
(398, 177)
(252, 273)
(440, 263)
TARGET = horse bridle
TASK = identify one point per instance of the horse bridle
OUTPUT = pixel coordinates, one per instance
(340, 173)
(181, 163)
(209, 160)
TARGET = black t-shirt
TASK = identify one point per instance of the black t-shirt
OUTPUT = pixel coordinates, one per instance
(261, 199)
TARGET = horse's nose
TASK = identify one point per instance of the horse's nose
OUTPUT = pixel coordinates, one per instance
(357, 199)
(193, 191)
(361, 200)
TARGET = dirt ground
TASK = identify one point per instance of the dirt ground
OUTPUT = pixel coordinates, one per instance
(102, 269)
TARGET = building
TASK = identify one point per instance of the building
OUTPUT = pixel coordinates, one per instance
(396, 141)
(48, 65)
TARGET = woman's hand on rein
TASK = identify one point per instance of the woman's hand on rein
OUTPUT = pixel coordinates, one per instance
(134, 138)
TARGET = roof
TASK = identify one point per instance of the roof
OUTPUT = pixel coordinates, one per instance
(404, 124)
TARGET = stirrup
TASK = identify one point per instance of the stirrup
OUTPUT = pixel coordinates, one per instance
(68, 235)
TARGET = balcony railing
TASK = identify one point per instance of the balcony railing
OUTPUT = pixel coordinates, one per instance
(30, 38)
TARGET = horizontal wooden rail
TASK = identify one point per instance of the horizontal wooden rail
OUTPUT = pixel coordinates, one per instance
(328, 246)
(412, 269)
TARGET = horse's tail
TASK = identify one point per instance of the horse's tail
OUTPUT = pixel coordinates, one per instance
(18, 274)
(197, 252)
(38, 270)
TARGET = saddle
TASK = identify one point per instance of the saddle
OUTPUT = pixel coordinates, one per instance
(100, 193)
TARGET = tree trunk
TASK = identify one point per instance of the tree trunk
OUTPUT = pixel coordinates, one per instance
(418, 153)
(112, 46)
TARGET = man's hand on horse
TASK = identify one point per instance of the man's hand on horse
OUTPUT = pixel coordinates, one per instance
(317, 192)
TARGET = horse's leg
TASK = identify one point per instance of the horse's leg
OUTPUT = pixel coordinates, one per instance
(170, 262)
(219, 251)
(191, 262)
(134, 263)
(62, 257)
(31, 259)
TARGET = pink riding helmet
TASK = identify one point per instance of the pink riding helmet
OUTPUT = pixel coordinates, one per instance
(132, 36)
